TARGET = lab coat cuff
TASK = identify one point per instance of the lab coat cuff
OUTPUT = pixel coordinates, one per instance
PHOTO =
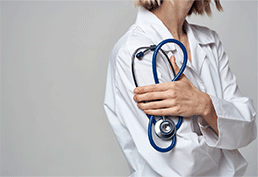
(234, 131)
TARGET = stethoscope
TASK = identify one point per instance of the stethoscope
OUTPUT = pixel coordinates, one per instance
(164, 126)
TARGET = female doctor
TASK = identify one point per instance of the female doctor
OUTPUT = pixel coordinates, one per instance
(217, 119)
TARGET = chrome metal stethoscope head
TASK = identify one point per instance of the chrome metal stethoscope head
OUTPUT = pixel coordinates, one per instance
(165, 128)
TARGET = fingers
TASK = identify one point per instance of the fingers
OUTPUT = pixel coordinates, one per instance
(162, 112)
(159, 112)
(151, 88)
(149, 96)
(157, 87)
(160, 108)
(157, 104)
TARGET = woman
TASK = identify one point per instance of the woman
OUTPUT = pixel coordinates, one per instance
(217, 119)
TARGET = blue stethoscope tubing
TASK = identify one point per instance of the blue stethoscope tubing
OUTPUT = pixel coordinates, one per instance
(154, 70)
(152, 120)
(154, 58)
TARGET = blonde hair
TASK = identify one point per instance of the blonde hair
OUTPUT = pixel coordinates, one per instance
(199, 6)
(148, 4)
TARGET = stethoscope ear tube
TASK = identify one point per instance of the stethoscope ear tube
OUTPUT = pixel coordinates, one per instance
(177, 76)
(154, 58)
(163, 135)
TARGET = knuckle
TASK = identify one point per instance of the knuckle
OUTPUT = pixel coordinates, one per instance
(173, 102)
(167, 84)
(170, 85)
(175, 84)
(171, 93)
(153, 87)
(178, 110)
(154, 104)
(157, 87)
(151, 96)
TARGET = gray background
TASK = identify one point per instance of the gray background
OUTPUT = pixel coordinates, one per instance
(54, 58)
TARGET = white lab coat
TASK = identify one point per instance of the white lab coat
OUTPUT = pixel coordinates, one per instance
(198, 151)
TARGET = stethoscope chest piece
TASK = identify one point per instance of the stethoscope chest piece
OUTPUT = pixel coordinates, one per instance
(165, 128)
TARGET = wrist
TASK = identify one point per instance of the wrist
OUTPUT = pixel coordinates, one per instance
(208, 106)
(205, 105)
(208, 112)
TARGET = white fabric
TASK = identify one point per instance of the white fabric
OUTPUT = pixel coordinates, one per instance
(198, 151)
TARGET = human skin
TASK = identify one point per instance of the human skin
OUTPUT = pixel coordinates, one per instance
(179, 98)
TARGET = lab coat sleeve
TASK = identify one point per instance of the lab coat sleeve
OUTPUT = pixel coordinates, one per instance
(236, 114)
(134, 119)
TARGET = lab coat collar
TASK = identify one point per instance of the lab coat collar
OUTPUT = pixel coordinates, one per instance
(197, 40)
(157, 31)
(154, 28)
(198, 34)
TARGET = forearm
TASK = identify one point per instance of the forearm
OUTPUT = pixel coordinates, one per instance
(208, 112)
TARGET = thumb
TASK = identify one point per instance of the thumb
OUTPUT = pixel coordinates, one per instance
(176, 68)
(173, 62)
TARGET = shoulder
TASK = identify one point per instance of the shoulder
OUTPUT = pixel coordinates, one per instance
(134, 38)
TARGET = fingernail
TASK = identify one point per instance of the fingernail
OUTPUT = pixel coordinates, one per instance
(136, 91)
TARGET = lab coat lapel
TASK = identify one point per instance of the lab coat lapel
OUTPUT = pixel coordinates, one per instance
(198, 58)
(157, 32)
(197, 41)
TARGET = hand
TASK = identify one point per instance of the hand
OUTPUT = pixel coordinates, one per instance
(179, 98)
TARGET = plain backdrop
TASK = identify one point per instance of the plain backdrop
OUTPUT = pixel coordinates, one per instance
(54, 57)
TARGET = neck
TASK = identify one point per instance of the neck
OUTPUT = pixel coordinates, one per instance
(173, 16)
